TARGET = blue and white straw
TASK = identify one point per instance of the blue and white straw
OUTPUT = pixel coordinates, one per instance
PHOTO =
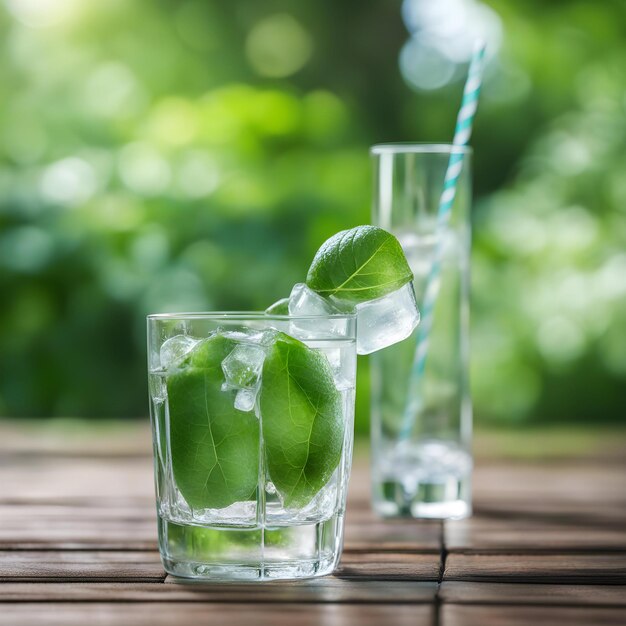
(462, 135)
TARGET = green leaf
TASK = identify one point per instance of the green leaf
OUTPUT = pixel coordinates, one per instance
(215, 447)
(302, 420)
(358, 265)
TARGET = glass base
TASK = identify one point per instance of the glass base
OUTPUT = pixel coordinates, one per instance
(445, 499)
(227, 553)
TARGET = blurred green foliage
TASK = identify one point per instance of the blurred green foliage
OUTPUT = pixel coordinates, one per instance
(159, 156)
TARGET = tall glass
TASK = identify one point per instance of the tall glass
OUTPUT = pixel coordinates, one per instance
(225, 443)
(421, 409)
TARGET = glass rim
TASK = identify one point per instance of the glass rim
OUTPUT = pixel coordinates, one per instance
(244, 315)
(419, 148)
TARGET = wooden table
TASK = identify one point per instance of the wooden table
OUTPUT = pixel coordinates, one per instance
(78, 545)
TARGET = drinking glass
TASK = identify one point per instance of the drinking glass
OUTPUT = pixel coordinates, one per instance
(421, 409)
(221, 512)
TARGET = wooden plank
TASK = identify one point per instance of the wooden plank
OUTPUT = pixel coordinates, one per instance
(322, 590)
(126, 525)
(80, 565)
(44, 479)
(588, 491)
(85, 525)
(460, 615)
(142, 535)
(366, 531)
(78, 526)
(146, 566)
(608, 513)
(389, 566)
(532, 594)
(96, 482)
(489, 534)
(607, 568)
(209, 614)
(393, 536)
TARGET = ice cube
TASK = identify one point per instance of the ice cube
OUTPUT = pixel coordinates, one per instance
(280, 307)
(246, 399)
(264, 338)
(237, 335)
(174, 349)
(345, 374)
(303, 301)
(334, 357)
(242, 367)
(342, 363)
(387, 320)
(157, 388)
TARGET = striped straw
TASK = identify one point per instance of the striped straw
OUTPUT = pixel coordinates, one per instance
(462, 135)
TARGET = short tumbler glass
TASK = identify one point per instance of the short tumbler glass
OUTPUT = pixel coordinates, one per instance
(257, 536)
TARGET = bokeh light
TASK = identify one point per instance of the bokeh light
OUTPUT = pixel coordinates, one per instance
(278, 46)
(44, 13)
(70, 181)
(143, 169)
(443, 36)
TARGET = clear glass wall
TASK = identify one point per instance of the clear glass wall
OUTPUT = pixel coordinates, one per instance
(421, 407)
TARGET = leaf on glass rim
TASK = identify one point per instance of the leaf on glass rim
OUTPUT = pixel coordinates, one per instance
(358, 265)
(215, 447)
(302, 420)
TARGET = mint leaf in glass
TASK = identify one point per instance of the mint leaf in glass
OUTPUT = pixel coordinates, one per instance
(215, 447)
(302, 420)
(360, 264)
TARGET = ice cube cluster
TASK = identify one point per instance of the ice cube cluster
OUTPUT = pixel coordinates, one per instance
(242, 367)
(380, 323)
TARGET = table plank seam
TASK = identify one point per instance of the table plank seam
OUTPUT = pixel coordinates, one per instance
(574, 551)
(80, 579)
(608, 605)
(35, 547)
(234, 601)
(443, 555)
(573, 518)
